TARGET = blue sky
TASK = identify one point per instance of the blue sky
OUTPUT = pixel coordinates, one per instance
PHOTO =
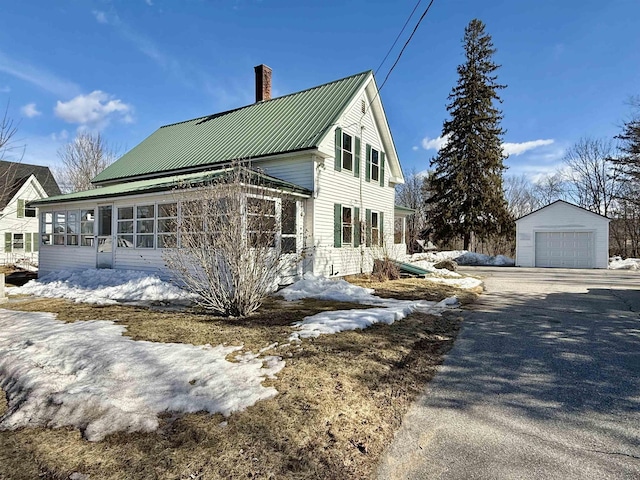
(127, 67)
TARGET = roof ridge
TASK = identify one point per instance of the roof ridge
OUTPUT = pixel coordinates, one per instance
(205, 118)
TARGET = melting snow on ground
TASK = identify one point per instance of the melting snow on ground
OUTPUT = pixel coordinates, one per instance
(86, 374)
(104, 286)
(464, 257)
(617, 263)
(387, 310)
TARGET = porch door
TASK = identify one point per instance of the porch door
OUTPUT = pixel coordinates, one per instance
(104, 255)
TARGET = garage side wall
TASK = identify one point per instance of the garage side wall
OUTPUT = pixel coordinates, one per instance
(561, 217)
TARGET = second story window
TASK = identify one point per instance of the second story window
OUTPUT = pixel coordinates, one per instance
(347, 151)
(375, 165)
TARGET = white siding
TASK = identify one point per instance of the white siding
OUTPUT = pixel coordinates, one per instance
(344, 188)
(561, 217)
(9, 221)
(294, 169)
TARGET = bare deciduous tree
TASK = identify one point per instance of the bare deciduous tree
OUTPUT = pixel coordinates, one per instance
(83, 158)
(593, 179)
(519, 193)
(410, 194)
(234, 237)
(549, 188)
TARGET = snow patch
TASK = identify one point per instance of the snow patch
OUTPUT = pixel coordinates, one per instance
(87, 375)
(388, 310)
(617, 263)
(104, 286)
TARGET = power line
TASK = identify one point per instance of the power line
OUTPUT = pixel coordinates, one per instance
(398, 37)
(406, 44)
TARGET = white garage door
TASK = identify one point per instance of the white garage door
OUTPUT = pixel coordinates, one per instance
(565, 249)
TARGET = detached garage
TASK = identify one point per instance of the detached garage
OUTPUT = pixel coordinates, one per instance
(562, 235)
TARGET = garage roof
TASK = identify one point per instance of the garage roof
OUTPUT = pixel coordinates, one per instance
(566, 203)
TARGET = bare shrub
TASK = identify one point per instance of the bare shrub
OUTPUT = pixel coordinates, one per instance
(232, 242)
(384, 269)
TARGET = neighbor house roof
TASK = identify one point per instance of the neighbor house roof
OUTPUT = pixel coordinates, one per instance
(14, 174)
(170, 183)
(291, 123)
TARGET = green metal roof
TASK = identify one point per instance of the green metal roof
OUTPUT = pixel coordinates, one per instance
(166, 183)
(295, 122)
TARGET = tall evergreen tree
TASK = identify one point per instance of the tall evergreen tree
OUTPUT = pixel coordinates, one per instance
(629, 161)
(466, 195)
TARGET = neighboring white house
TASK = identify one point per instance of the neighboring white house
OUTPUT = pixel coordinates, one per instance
(21, 183)
(562, 235)
(329, 147)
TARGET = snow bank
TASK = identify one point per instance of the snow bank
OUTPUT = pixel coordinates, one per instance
(87, 375)
(104, 286)
(388, 311)
(463, 257)
(617, 263)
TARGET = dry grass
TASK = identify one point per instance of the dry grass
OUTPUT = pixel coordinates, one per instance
(341, 397)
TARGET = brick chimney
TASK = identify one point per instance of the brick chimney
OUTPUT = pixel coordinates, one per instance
(263, 83)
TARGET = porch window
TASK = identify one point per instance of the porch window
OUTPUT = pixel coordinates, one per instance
(124, 228)
(47, 227)
(87, 222)
(73, 228)
(59, 227)
(261, 222)
(167, 225)
(289, 226)
(145, 226)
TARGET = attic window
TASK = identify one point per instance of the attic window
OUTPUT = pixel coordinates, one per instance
(375, 165)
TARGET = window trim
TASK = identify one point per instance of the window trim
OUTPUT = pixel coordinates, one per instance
(344, 225)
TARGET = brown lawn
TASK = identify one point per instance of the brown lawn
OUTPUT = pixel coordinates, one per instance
(341, 397)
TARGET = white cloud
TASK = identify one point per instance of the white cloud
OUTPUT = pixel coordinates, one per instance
(415, 148)
(61, 136)
(519, 148)
(30, 110)
(40, 78)
(435, 143)
(95, 109)
(5, 89)
(101, 17)
(149, 2)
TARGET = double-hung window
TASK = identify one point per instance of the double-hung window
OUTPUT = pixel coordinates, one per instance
(375, 228)
(347, 151)
(347, 225)
(375, 165)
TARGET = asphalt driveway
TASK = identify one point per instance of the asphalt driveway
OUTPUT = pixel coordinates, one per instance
(543, 382)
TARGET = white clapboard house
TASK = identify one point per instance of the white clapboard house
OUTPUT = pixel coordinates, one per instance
(329, 147)
(21, 183)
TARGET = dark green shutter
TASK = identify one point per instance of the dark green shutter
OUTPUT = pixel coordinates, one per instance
(367, 173)
(368, 227)
(356, 227)
(36, 241)
(27, 243)
(337, 225)
(382, 162)
(20, 212)
(7, 241)
(356, 167)
(338, 153)
(381, 220)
